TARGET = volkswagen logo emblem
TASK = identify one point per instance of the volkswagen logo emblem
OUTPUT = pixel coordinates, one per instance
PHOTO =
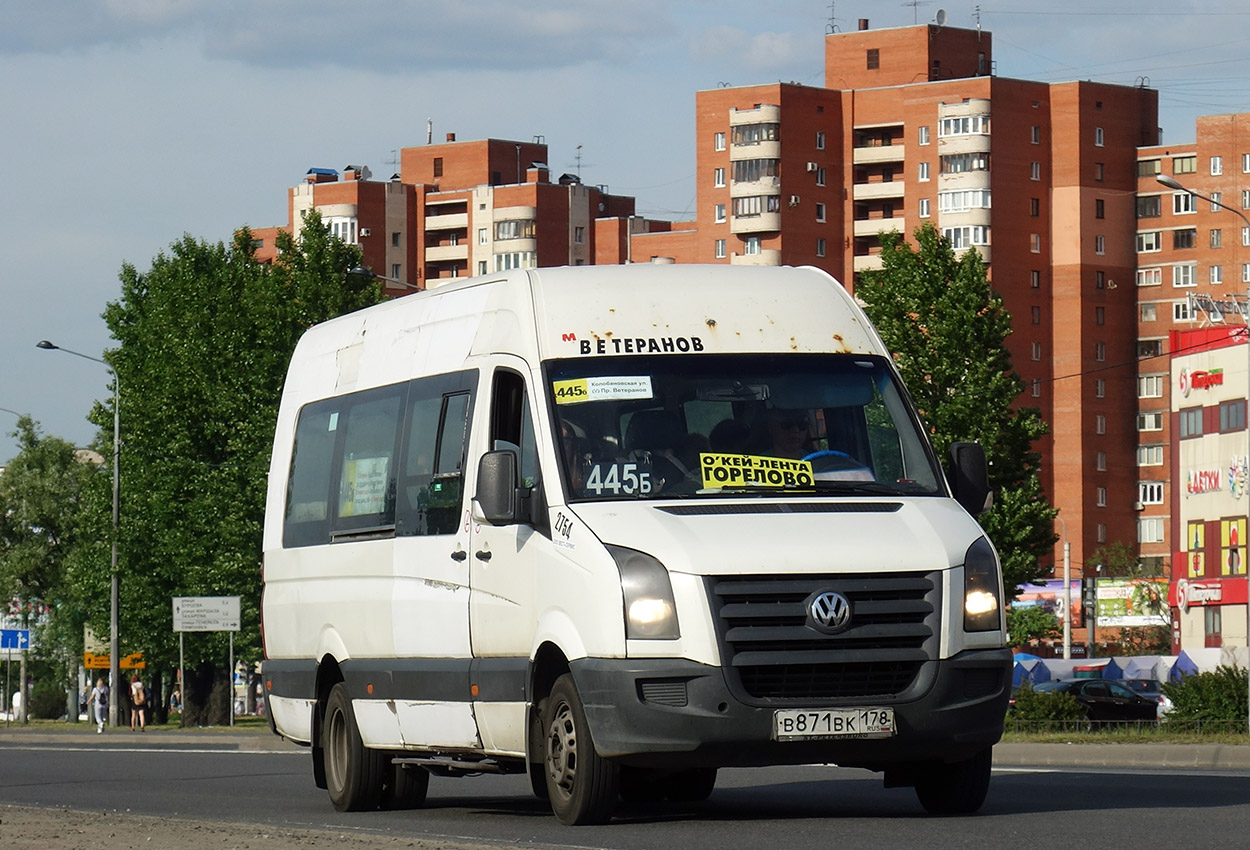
(830, 611)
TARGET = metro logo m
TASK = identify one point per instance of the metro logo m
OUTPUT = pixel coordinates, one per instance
(568, 337)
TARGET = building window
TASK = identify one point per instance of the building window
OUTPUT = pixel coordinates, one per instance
(1245, 163)
(1100, 352)
(1217, 237)
(1150, 492)
(964, 125)
(1149, 312)
(481, 267)
(1036, 313)
(1035, 207)
(752, 246)
(438, 166)
(820, 140)
(719, 214)
(1100, 388)
(579, 234)
(874, 58)
(1150, 386)
(515, 260)
(1212, 626)
(1150, 277)
(820, 176)
(718, 178)
(1183, 202)
(1184, 164)
(514, 229)
(1037, 388)
(756, 205)
(1186, 238)
(922, 135)
(395, 237)
(1245, 236)
(1150, 421)
(1035, 171)
(397, 271)
(1183, 275)
(924, 207)
(1100, 497)
(1035, 243)
(820, 247)
(1149, 167)
(1149, 241)
(1150, 530)
(1035, 134)
(482, 238)
(1100, 281)
(1245, 272)
(1233, 415)
(961, 163)
(1215, 275)
(1149, 348)
(1100, 461)
(820, 212)
(1191, 422)
(1149, 206)
(1037, 351)
(966, 236)
(1100, 315)
(1150, 455)
(1035, 278)
(1100, 208)
(1100, 244)
(1098, 137)
(1100, 424)
(1180, 311)
(718, 141)
(1217, 165)
(1215, 201)
(923, 172)
(1099, 169)
(962, 200)
(720, 249)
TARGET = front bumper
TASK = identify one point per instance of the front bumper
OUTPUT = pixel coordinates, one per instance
(677, 713)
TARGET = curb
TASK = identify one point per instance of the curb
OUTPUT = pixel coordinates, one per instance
(1175, 756)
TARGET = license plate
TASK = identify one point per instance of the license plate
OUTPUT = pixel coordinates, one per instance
(808, 724)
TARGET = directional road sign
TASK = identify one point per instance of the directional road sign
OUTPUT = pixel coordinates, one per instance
(14, 638)
(206, 613)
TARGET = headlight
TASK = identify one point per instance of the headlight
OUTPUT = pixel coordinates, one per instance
(650, 613)
(983, 588)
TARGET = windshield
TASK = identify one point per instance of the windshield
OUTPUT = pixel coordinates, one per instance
(690, 427)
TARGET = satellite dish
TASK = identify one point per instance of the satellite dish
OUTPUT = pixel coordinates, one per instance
(940, 18)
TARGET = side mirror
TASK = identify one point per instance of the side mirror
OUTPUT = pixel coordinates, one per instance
(969, 478)
(496, 499)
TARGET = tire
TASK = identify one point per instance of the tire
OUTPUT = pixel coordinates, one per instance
(405, 787)
(536, 766)
(958, 788)
(641, 785)
(581, 786)
(354, 774)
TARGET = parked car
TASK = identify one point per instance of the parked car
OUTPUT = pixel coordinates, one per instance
(1105, 700)
(1152, 689)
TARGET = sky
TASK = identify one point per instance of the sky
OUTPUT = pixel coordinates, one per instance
(129, 123)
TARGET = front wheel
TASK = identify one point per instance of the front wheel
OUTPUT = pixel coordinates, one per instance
(354, 774)
(581, 785)
(958, 788)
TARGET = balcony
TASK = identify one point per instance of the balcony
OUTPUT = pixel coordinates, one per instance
(878, 154)
(446, 253)
(763, 114)
(451, 221)
(868, 262)
(970, 143)
(766, 257)
(514, 213)
(874, 226)
(878, 191)
(763, 186)
(756, 150)
(762, 223)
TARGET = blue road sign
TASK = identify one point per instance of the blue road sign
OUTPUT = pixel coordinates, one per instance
(14, 638)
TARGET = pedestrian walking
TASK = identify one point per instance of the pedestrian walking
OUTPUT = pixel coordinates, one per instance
(100, 699)
(138, 704)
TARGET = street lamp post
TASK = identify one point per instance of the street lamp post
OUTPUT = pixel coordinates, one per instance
(365, 271)
(114, 589)
(1244, 310)
(1067, 591)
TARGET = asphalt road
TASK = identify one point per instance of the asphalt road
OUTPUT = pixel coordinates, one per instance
(259, 780)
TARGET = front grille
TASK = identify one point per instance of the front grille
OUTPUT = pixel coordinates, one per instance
(773, 651)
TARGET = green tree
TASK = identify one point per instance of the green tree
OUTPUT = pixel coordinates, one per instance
(204, 337)
(1028, 623)
(947, 330)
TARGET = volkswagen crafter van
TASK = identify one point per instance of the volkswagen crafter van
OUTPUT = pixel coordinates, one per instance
(616, 528)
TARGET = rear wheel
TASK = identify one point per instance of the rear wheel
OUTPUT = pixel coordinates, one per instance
(581, 785)
(354, 773)
(958, 788)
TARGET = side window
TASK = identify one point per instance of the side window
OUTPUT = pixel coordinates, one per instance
(512, 427)
(343, 467)
(431, 488)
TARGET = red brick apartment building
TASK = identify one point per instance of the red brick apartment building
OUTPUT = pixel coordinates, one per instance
(1191, 246)
(912, 125)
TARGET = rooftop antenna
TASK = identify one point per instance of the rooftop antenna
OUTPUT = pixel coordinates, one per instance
(940, 18)
(915, 17)
(429, 131)
(832, 26)
(976, 15)
(578, 158)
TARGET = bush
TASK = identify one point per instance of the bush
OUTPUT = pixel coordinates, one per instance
(47, 701)
(1216, 697)
(1045, 706)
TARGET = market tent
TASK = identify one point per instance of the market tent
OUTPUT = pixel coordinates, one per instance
(1147, 667)
(1183, 667)
(1112, 670)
